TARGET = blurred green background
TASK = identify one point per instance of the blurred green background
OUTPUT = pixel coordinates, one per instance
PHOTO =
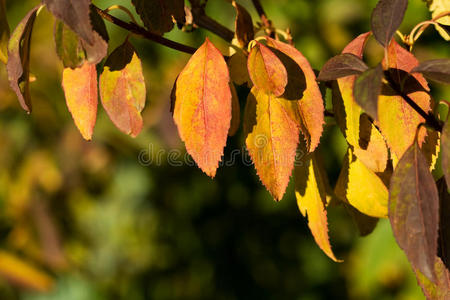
(107, 219)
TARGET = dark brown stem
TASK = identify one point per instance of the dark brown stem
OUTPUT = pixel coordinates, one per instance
(136, 29)
(430, 119)
(262, 14)
(205, 22)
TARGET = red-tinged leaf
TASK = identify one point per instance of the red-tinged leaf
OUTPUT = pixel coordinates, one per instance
(445, 151)
(444, 222)
(302, 86)
(436, 69)
(342, 65)
(96, 51)
(74, 13)
(272, 139)
(440, 288)
(202, 109)
(386, 18)
(414, 210)
(266, 70)
(68, 46)
(398, 122)
(18, 65)
(80, 89)
(4, 33)
(367, 88)
(122, 89)
(157, 14)
(235, 111)
(243, 25)
(310, 193)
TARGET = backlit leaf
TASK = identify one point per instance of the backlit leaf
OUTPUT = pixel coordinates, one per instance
(342, 65)
(302, 88)
(235, 111)
(312, 201)
(445, 151)
(80, 89)
(440, 288)
(122, 89)
(367, 88)
(4, 33)
(266, 70)
(202, 109)
(436, 69)
(68, 46)
(272, 139)
(398, 122)
(157, 14)
(438, 7)
(414, 210)
(18, 65)
(386, 18)
(74, 13)
(243, 25)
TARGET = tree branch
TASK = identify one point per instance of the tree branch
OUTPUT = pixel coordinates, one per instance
(136, 29)
(262, 15)
(205, 22)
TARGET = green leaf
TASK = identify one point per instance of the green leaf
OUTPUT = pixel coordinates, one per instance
(341, 65)
(386, 18)
(18, 65)
(435, 69)
(4, 33)
(68, 46)
(122, 89)
(367, 88)
(414, 210)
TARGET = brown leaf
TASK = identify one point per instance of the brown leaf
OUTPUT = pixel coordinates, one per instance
(436, 69)
(386, 18)
(243, 25)
(367, 88)
(342, 65)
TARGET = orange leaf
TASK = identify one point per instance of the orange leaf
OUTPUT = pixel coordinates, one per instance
(202, 109)
(272, 139)
(397, 120)
(122, 89)
(306, 91)
(266, 70)
(80, 89)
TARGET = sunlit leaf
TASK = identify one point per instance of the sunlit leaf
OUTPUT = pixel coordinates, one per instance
(80, 89)
(439, 7)
(398, 122)
(157, 14)
(266, 70)
(202, 110)
(436, 69)
(342, 65)
(386, 18)
(4, 33)
(235, 111)
(312, 201)
(18, 65)
(272, 139)
(122, 89)
(302, 88)
(68, 46)
(243, 25)
(445, 151)
(367, 88)
(414, 210)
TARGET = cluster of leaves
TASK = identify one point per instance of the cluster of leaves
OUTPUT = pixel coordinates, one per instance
(386, 114)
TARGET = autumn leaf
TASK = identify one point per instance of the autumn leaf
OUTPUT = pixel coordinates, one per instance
(202, 110)
(68, 46)
(342, 65)
(237, 65)
(367, 88)
(235, 111)
(444, 222)
(435, 69)
(96, 51)
(445, 150)
(272, 139)
(398, 122)
(312, 201)
(243, 25)
(414, 210)
(438, 7)
(122, 89)
(440, 288)
(80, 89)
(386, 18)
(303, 89)
(266, 70)
(18, 65)
(4, 33)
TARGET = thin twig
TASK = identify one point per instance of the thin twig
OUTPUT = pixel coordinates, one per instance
(262, 15)
(136, 29)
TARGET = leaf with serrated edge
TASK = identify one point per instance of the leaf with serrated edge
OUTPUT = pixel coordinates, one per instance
(266, 70)
(122, 89)
(202, 110)
(414, 210)
(435, 69)
(18, 65)
(80, 89)
(386, 18)
(311, 200)
(342, 65)
(310, 106)
(243, 25)
(272, 140)
(235, 111)
(4, 33)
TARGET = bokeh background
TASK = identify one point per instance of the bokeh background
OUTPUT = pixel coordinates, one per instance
(107, 219)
